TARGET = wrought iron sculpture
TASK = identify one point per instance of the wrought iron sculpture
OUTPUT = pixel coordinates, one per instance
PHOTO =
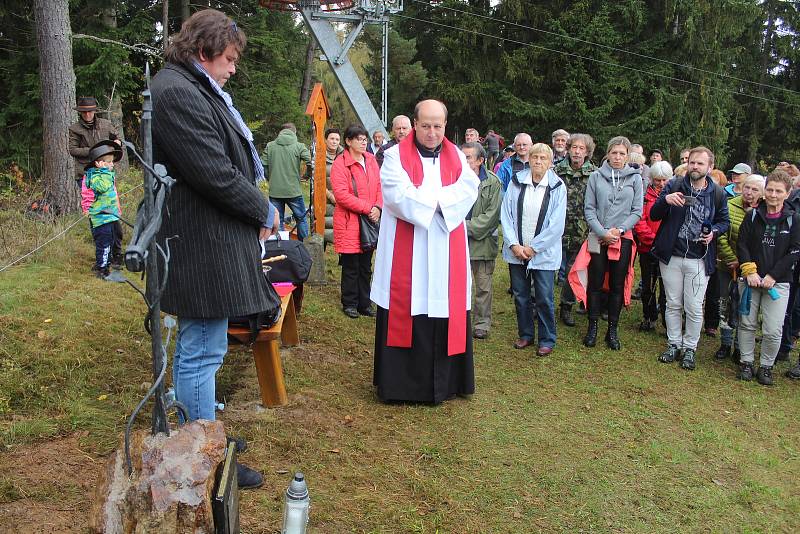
(142, 256)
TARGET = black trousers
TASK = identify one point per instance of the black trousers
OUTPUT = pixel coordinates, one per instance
(712, 301)
(356, 275)
(599, 265)
(651, 274)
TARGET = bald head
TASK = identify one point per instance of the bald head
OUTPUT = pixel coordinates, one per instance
(430, 118)
(429, 106)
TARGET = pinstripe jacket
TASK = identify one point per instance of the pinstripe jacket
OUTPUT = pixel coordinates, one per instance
(215, 208)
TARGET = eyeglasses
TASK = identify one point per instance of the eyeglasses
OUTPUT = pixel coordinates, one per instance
(361, 139)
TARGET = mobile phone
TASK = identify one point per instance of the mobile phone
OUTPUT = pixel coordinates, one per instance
(689, 201)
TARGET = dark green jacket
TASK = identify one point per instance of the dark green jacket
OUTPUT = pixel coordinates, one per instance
(281, 161)
(485, 216)
(576, 228)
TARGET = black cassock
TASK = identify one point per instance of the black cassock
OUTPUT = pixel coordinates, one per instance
(424, 372)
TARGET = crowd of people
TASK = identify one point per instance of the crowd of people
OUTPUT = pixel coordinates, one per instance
(711, 252)
(567, 221)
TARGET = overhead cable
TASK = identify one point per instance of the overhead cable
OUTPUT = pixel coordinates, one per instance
(601, 61)
(608, 47)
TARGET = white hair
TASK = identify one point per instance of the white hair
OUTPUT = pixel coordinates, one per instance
(661, 169)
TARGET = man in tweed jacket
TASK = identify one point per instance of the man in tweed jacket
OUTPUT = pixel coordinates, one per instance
(215, 214)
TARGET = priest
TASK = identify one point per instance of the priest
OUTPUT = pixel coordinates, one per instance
(422, 284)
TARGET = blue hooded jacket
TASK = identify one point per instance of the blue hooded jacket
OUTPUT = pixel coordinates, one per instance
(672, 218)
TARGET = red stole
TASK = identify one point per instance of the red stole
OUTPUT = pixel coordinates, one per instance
(400, 321)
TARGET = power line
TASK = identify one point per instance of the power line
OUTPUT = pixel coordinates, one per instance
(609, 47)
(62, 232)
(601, 61)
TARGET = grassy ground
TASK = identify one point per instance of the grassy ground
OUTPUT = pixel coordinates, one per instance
(584, 440)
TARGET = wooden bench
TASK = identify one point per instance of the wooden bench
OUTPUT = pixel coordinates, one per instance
(266, 352)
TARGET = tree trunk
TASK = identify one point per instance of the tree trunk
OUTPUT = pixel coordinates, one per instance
(185, 11)
(165, 24)
(53, 34)
(109, 19)
(305, 91)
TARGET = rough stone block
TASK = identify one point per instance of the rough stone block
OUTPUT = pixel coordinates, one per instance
(171, 486)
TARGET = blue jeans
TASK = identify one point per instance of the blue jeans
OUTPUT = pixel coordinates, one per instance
(199, 351)
(298, 208)
(542, 284)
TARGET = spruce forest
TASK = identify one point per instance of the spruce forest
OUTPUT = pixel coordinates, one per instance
(667, 74)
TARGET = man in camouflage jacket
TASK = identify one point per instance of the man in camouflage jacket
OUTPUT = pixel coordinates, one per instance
(574, 170)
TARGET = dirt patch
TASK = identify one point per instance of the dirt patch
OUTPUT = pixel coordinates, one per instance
(47, 486)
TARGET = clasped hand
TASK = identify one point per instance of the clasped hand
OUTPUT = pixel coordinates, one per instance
(753, 280)
(374, 214)
(611, 237)
(522, 252)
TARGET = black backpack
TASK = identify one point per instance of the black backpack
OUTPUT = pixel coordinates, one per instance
(263, 319)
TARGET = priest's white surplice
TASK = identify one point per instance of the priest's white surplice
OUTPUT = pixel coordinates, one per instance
(434, 211)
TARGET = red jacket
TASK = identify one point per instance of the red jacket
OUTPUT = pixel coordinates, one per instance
(348, 207)
(645, 230)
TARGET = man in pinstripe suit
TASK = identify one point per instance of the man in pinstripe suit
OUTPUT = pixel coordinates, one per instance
(215, 209)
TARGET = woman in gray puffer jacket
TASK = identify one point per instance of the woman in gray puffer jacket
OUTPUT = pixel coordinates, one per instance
(612, 206)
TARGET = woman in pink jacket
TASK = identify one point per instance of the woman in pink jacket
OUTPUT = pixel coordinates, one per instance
(355, 166)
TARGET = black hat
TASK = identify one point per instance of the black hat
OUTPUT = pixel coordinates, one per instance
(86, 103)
(103, 148)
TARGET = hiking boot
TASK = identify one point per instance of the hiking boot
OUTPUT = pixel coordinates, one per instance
(669, 355)
(688, 360)
(612, 337)
(782, 356)
(480, 334)
(248, 478)
(581, 309)
(367, 312)
(647, 325)
(590, 339)
(764, 375)
(723, 352)
(794, 372)
(745, 372)
(566, 316)
(351, 312)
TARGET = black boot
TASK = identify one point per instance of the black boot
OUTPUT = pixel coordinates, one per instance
(723, 352)
(612, 338)
(794, 372)
(566, 316)
(764, 375)
(590, 339)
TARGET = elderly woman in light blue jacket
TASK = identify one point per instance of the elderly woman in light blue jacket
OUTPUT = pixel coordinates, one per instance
(532, 215)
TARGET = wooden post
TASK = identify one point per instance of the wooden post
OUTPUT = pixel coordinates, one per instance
(319, 111)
